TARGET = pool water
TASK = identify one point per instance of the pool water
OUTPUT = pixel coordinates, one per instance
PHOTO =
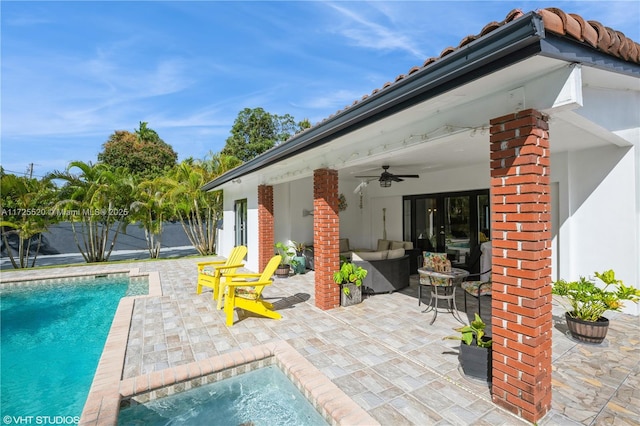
(52, 337)
(260, 397)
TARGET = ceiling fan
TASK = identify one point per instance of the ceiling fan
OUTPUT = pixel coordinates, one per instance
(386, 178)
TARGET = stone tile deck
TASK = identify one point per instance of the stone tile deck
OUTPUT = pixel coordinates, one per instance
(382, 353)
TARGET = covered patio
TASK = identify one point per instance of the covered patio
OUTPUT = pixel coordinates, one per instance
(490, 114)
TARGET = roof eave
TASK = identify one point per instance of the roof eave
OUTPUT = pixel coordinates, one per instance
(506, 45)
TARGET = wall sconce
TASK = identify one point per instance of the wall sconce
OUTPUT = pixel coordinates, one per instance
(306, 212)
(236, 181)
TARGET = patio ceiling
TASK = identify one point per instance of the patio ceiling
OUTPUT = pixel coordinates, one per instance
(452, 129)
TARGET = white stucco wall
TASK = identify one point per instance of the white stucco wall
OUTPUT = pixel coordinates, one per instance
(598, 214)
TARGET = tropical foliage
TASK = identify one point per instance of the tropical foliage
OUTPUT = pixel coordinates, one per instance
(143, 153)
(473, 333)
(199, 212)
(27, 211)
(587, 301)
(255, 131)
(151, 209)
(349, 273)
(96, 199)
(136, 180)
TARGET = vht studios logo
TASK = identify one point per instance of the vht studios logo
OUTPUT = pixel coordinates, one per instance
(40, 420)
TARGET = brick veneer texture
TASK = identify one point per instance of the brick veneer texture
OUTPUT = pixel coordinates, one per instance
(521, 278)
(266, 239)
(326, 233)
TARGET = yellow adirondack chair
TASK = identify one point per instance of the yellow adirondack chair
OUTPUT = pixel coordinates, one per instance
(247, 295)
(210, 272)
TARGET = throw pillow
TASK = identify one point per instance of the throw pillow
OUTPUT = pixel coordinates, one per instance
(383, 245)
(396, 245)
(396, 253)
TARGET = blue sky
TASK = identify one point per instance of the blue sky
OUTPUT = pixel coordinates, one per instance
(74, 72)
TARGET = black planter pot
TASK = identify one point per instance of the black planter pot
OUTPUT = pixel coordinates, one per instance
(354, 297)
(587, 331)
(476, 361)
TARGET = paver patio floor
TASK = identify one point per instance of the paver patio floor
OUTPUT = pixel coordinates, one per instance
(383, 353)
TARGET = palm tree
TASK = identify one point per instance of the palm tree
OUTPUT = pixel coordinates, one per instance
(150, 210)
(97, 198)
(199, 212)
(27, 211)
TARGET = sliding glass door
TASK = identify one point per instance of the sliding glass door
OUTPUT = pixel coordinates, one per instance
(453, 223)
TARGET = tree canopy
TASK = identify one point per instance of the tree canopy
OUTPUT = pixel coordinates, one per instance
(143, 153)
(255, 131)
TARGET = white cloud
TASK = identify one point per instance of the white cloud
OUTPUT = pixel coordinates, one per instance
(371, 33)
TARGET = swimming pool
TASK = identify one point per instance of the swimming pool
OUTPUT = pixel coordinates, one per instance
(52, 335)
(260, 397)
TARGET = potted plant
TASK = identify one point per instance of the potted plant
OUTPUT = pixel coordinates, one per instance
(298, 262)
(586, 302)
(349, 278)
(475, 349)
(287, 253)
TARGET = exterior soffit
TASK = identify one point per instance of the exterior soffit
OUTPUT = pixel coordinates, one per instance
(451, 130)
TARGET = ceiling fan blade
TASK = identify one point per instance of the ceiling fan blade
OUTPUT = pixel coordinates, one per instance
(367, 177)
(408, 176)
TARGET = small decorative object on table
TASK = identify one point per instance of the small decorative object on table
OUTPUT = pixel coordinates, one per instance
(588, 302)
(349, 278)
(475, 349)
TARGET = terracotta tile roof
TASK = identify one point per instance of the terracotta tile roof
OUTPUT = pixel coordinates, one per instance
(556, 21)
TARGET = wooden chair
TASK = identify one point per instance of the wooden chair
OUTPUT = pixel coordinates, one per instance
(210, 272)
(246, 294)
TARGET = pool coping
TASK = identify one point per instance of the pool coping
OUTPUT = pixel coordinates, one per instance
(155, 287)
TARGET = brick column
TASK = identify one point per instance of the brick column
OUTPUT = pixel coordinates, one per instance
(266, 239)
(521, 289)
(326, 232)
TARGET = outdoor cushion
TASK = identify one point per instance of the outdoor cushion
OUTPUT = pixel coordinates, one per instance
(408, 245)
(396, 245)
(370, 255)
(471, 287)
(383, 245)
(396, 253)
(434, 261)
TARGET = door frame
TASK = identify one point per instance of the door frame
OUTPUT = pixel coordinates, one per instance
(240, 222)
(410, 201)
